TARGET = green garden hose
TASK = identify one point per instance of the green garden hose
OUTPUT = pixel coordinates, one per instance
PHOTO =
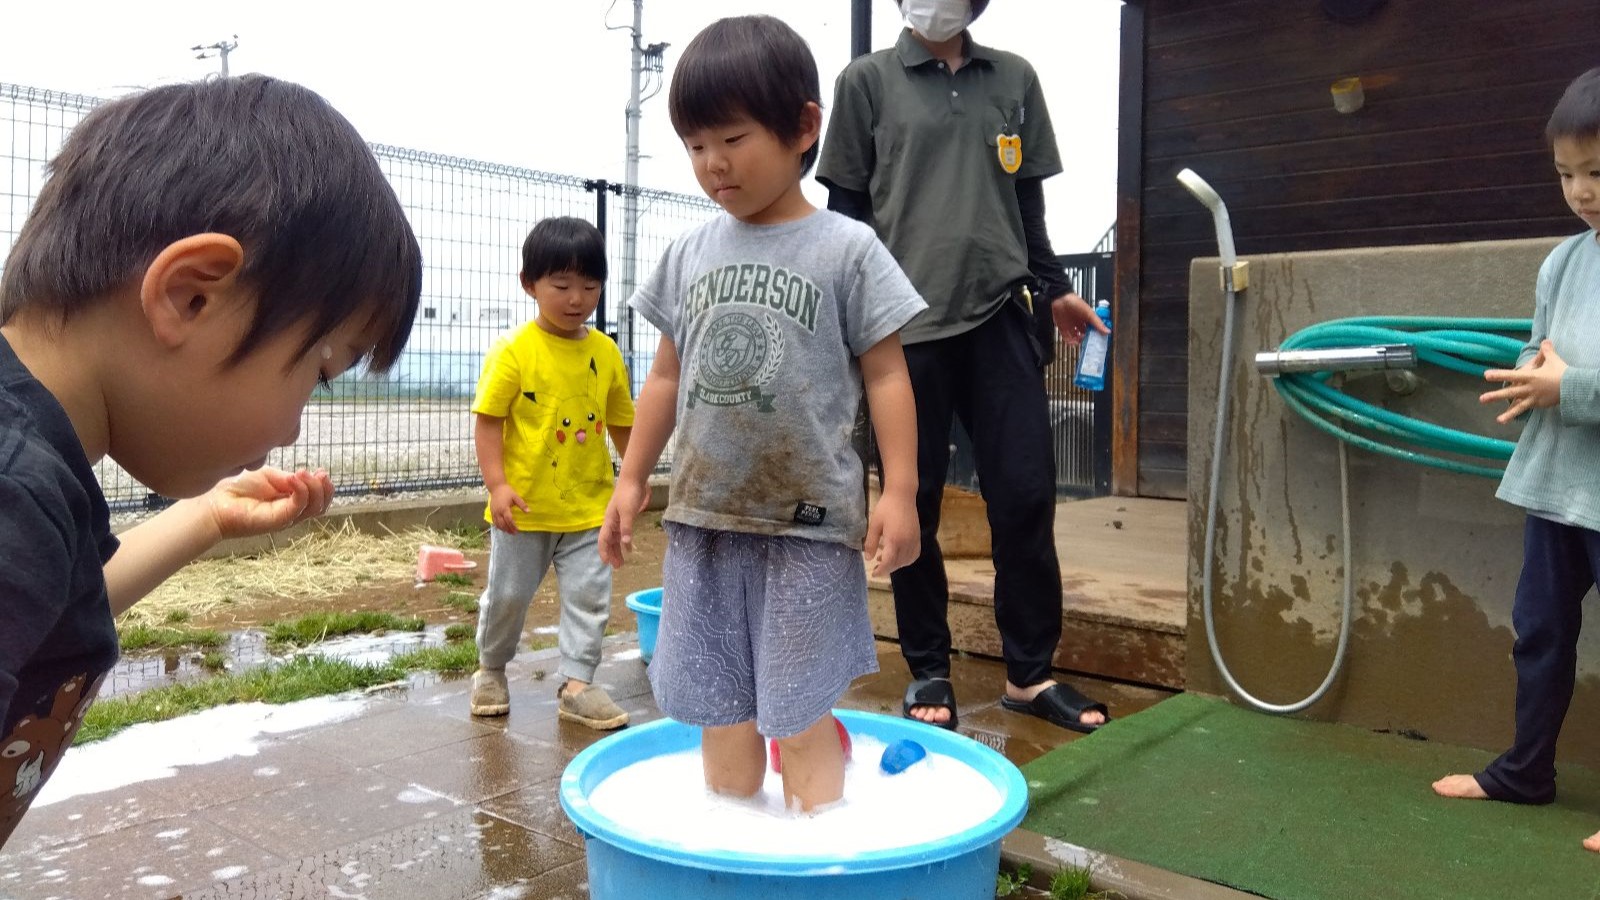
(1468, 346)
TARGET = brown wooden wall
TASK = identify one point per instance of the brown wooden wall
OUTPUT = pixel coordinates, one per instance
(1449, 147)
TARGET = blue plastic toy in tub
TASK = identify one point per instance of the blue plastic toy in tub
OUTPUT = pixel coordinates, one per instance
(627, 865)
(646, 606)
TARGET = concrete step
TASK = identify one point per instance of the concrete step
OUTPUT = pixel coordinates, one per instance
(1124, 611)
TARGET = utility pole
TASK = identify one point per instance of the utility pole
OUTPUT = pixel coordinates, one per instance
(221, 48)
(860, 28)
(645, 59)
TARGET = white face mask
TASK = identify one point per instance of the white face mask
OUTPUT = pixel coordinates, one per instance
(937, 20)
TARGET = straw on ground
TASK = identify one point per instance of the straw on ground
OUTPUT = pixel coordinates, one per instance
(329, 562)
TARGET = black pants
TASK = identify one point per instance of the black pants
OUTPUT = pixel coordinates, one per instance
(1559, 565)
(990, 378)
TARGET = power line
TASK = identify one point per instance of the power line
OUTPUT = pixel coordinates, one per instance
(220, 50)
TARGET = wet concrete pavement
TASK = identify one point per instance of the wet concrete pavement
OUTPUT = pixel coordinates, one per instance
(406, 796)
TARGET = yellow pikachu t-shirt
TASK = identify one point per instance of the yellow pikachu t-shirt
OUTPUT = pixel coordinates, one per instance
(557, 396)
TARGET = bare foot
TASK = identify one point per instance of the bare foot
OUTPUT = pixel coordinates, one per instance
(1087, 717)
(930, 713)
(1592, 842)
(1466, 787)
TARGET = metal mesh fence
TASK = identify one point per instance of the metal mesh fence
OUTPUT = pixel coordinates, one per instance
(1080, 420)
(410, 428)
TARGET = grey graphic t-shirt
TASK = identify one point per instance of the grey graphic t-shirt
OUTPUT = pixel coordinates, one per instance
(768, 321)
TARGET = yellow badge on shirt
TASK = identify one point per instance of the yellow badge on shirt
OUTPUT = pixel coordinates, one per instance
(1009, 148)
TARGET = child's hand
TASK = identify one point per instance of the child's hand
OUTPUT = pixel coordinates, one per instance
(1535, 385)
(893, 539)
(501, 499)
(616, 532)
(266, 499)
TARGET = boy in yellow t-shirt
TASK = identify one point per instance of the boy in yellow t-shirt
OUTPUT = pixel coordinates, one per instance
(549, 394)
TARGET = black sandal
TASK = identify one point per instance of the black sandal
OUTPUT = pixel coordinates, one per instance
(1062, 705)
(936, 692)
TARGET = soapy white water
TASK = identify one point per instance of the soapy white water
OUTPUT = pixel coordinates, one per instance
(156, 749)
(664, 799)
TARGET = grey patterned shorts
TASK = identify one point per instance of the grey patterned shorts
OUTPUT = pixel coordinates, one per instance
(759, 627)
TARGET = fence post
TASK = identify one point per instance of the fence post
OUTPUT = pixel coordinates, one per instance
(1104, 272)
(623, 333)
(599, 186)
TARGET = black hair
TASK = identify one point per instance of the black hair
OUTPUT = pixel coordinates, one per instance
(754, 66)
(978, 6)
(1577, 113)
(563, 244)
(267, 162)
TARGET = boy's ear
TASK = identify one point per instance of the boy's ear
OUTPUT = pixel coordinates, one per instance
(527, 285)
(810, 126)
(187, 280)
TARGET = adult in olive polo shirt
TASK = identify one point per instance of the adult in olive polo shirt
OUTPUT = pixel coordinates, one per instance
(943, 144)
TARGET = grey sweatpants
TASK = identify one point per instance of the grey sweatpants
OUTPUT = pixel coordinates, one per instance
(517, 563)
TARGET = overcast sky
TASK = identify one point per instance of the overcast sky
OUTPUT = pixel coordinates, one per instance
(542, 83)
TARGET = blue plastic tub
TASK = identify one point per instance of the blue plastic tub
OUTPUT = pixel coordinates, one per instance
(624, 865)
(646, 606)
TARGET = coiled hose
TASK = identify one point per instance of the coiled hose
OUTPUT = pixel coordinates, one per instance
(1470, 346)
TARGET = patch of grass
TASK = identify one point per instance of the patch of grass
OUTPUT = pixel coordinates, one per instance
(213, 661)
(151, 637)
(463, 602)
(462, 657)
(1072, 883)
(298, 679)
(542, 642)
(468, 537)
(460, 631)
(318, 626)
(453, 579)
(1010, 884)
(177, 616)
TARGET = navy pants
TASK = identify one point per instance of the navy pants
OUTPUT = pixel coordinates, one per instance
(989, 377)
(1559, 565)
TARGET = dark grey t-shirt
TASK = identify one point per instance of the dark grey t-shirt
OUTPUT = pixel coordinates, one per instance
(768, 321)
(57, 638)
(925, 145)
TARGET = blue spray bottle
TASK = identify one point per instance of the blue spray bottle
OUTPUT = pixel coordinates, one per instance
(1093, 351)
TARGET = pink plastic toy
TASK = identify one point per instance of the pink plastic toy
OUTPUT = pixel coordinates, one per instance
(432, 561)
(776, 759)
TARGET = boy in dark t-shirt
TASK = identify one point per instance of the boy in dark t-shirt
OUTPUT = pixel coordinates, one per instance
(201, 257)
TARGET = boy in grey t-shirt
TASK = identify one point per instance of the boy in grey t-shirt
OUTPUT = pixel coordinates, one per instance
(773, 319)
